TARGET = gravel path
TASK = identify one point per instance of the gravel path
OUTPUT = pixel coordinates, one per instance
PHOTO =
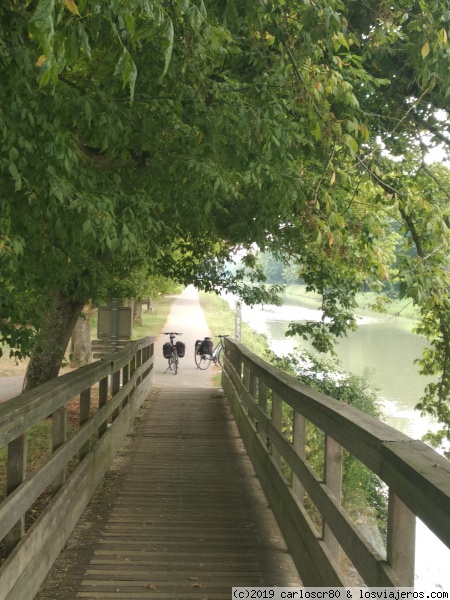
(188, 318)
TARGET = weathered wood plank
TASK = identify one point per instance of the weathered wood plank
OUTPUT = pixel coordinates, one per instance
(183, 513)
(20, 413)
(31, 558)
(417, 475)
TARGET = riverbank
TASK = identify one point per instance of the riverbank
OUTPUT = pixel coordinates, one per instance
(221, 321)
(366, 301)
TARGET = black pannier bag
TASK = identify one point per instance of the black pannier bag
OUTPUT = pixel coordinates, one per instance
(206, 346)
(198, 344)
(181, 349)
(167, 350)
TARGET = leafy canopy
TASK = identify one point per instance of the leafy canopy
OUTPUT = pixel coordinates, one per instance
(164, 134)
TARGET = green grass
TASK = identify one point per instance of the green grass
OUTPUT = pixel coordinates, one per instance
(152, 323)
(221, 319)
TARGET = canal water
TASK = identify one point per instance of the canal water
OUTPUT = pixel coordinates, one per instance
(385, 348)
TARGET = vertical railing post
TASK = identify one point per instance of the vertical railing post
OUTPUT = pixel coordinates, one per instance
(115, 387)
(333, 480)
(102, 399)
(252, 391)
(132, 366)
(252, 386)
(277, 420)
(138, 364)
(246, 377)
(59, 430)
(401, 540)
(144, 360)
(125, 379)
(85, 413)
(298, 443)
(262, 401)
(262, 396)
(16, 470)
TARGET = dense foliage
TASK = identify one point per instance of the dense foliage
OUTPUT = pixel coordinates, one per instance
(164, 134)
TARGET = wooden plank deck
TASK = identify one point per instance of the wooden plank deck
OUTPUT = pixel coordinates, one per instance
(180, 515)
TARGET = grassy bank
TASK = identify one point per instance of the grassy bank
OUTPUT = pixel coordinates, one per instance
(221, 320)
(366, 301)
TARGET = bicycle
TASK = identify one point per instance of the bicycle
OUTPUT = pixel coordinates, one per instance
(203, 358)
(173, 351)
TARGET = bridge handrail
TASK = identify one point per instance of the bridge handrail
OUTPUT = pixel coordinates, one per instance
(418, 478)
(124, 380)
(40, 402)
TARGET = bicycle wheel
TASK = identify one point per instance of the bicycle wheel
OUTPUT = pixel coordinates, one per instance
(202, 362)
(174, 361)
(220, 357)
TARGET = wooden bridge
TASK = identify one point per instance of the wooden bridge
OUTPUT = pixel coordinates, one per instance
(181, 490)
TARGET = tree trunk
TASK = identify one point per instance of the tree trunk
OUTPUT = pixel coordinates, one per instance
(80, 347)
(52, 340)
(137, 312)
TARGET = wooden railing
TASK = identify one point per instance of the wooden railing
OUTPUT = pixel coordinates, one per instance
(124, 380)
(417, 479)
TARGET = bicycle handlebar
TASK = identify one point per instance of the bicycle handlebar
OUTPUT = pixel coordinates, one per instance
(172, 333)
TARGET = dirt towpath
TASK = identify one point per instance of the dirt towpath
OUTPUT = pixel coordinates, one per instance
(187, 317)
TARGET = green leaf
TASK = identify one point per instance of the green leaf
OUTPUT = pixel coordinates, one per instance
(41, 25)
(126, 67)
(168, 33)
(83, 39)
(351, 143)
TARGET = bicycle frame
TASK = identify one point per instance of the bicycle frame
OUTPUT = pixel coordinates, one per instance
(173, 361)
(203, 361)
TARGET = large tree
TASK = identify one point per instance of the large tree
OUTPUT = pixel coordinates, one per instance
(167, 133)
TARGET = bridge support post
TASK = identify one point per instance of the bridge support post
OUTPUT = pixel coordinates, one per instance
(298, 443)
(102, 399)
(138, 364)
(277, 420)
(401, 540)
(115, 387)
(85, 414)
(16, 472)
(333, 481)
(59, 437)
(125, 380)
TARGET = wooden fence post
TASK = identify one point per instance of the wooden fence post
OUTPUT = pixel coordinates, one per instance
(277, 420)
(299, 443)
(16, 470)
(333, 480)
(125, 379)
(102, 399)
(115, 387)
(85, 413)
(401, 540)
(59, 437)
